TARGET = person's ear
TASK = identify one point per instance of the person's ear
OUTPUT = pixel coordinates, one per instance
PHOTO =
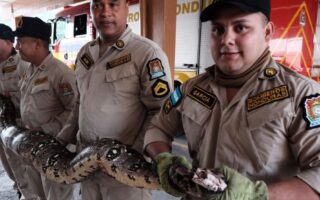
(269, 30)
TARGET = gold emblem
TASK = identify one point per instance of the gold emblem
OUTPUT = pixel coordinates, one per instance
(41, 80)
(9, 69)
(160, 88)
(120, 44)
(270, 72)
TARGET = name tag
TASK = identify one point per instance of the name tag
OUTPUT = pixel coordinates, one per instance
(203, 97)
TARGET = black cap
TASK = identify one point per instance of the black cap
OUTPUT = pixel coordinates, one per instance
(33, 27)
(244, 5)
(6, 33)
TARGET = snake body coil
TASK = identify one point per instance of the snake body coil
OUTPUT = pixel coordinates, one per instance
(56, 163)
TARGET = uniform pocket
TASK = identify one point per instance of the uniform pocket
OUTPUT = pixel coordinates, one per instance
(120, 72)
(39, 88)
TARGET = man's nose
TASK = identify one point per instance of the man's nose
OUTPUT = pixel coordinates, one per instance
(228, 37)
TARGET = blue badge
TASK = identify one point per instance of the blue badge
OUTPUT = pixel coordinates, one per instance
(311, 106)
(176, 96)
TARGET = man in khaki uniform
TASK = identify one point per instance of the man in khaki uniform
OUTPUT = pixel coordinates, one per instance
(48, 94)
(11, 69)
(122, 79)
(248, 117)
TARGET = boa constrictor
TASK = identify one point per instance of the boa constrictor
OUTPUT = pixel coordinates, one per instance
(56, 163)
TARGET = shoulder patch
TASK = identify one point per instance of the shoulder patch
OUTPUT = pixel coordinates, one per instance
(266, 97)
(155, 69)
(41, 80)
(86, 60)
(9, 69)
(176, 97)
(119, 61)
(203, 97)
(65, 89)
(311, 109)
(160, 88)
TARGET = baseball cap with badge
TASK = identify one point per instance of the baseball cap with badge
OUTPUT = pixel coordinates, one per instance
(6, 33)
(33, 27)
(250, 6)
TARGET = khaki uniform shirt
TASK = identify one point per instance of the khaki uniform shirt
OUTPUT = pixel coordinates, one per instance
(48, 94)
(121, 90)
(10, 72)
(269, 130)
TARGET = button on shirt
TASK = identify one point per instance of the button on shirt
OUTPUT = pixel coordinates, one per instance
(121, 90)
(48, 94)
(268, 131)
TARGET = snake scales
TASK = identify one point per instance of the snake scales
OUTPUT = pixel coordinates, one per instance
(56, 163)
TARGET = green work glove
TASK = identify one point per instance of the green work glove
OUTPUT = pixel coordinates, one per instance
(240, 187)
(166, 162)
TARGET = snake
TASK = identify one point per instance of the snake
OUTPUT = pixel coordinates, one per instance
(54, 161)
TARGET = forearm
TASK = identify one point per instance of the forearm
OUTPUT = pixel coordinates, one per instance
(155, 148)
(293, 189)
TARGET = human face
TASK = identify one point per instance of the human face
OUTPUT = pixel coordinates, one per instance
(27, 48)
(109, 18)
(238, 39)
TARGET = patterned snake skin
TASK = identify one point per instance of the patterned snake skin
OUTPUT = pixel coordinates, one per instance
(56, 163)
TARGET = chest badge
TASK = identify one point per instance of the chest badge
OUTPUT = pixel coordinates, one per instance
(311, 108)
(118, 61)
(9, 69)
(86, 60)
(155, 69)
(41, 80)
(266, 97)
(203, 97)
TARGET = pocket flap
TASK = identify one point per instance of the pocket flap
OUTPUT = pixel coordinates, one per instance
(41, 87)
(120, 72)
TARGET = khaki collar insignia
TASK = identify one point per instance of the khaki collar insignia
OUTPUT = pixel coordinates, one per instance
(266, 97)
(120, 44)
(119, 61)
(86, 61)
(41, 80)
(203, 97)
(270, 72)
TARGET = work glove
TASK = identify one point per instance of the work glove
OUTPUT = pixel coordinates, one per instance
(240, 187)
(168, 167)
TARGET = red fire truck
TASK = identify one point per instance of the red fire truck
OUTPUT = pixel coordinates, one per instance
(295, 42)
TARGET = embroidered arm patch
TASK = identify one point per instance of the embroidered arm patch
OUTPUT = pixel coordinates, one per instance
(160, 88)
(311, 109)
(65, 89)
(155, 69)
(172, 101)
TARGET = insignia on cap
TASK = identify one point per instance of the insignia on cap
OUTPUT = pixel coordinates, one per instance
(311, 109)
(155, 69)
(167, 106)
(9, 69)
(86, 60)
(65, 89)
(120, 44)
(176, 97)
(160, 88)
(119, 61)
(270, 72)
(19, 22)
(203, 97)
(266, 97)
(41, 80)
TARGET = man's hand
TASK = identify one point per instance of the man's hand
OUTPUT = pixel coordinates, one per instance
(240, 187)
(166, 162)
